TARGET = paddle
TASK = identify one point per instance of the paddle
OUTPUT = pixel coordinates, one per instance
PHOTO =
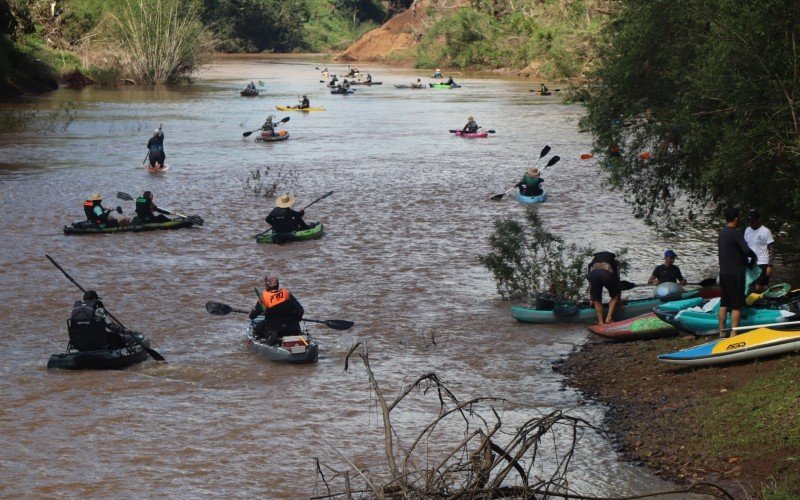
(247, 134)
(453, 131)
(151, 352)
(627, 285)
(219, 309)
(194, 219)
(318, 199)
(550, 163)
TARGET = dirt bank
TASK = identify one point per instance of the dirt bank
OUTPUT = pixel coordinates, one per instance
(667, 418)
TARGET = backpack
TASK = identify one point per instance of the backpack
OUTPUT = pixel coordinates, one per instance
(86, 331)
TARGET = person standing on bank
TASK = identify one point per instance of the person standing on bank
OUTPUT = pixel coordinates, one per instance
(733, 254)
(667, 272)
(759, 239)
(604, 272)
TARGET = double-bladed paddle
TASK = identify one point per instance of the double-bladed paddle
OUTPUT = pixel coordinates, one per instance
(219, 309)
(454, 130)
(247, 134)
(152, 352)
(627, 285)
(318, 199)
(194, 219)
(550, 163)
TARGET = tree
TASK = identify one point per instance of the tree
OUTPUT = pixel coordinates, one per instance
(710, 89)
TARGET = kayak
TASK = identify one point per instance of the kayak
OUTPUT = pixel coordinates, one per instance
(86, 227)
(471, 135)
(366, 83)
(583, 313)
(248, 93)
(103, 359)
(704, 320)
(527, 200)
(312, 233)
(156, 170)
(539, 92)
(750, 345)
(445, 86)
(293, 108)
(282, 135)
(409, 87)
(343, 92)
(644, 327)
(293, 349)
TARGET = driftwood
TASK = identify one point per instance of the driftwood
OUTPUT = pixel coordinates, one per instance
(488, 462)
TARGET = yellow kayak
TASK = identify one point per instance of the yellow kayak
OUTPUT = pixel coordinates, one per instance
(292, 108)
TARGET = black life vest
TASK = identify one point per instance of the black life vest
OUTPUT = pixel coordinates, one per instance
(283, 220)
(87, 332)
(143, 209)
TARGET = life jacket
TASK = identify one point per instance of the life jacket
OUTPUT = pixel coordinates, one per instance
(86, 331)
(143, 209)
(271, 299)
(88, 209)
(283, 220)
(280, 316)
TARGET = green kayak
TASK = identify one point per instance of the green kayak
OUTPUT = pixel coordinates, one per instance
(86, 227)
(313, 232)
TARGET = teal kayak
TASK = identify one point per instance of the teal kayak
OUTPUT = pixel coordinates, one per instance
(527, 200)
(705, 321)
(583, 313)
(313, 232)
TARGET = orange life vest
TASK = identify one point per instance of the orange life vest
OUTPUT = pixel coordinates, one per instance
(271, 299)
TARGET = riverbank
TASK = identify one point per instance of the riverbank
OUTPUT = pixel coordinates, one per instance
(736, 425)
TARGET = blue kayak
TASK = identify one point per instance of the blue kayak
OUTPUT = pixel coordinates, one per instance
(527, 200)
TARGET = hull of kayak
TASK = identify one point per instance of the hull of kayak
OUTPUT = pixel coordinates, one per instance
(409, 87)
(298, 349)
(366, 83)
(105, 359)
(644, 327)
(305, 110)
(345, 92)
(248, 93)
(471, 135)
(753, 344)
(586, 314)
(312, 233)
(282, 135)
(527, 200)
(444, 86)
(78, 227)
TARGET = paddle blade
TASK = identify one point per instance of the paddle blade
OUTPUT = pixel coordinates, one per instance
(627, 285)
(154, 354)
(338, 324)
(284, 120)
(492, 131)
(247, 134)
(708, 282)
(553, 161)
(124, 196)
(218, 309)
(544, 152)
(196, 220)
(497, 197)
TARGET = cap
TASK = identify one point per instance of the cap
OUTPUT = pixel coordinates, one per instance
(753, 215)
(670, 253)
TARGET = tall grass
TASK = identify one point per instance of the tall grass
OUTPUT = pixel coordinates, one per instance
(158, 41)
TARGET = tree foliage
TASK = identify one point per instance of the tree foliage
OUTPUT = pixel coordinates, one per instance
(710, 88)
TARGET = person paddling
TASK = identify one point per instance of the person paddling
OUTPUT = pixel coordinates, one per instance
(146, 210)
(89, 327)
(268, 126)
(450, 81)
(282, 219)
(156, 147)
(304, 104)
(417, 84)
(100, 216)
(530, 185)
(471, 126)
(282, 313)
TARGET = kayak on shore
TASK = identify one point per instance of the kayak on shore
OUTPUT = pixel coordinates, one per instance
(643, 327)
(87, 227)
(103, 359)
(295, 108)
(702, 320)
(294, 349)
(528, 200)
(314, 231)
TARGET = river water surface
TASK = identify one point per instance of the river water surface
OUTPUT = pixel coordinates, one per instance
(407, 220)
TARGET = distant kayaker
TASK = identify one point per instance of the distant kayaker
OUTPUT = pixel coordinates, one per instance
(530, 185)
(368, 79)
(89, 327)
(667, 272)
(604, 273)
(760, 241)
(437, 73)
(156, 147)
(100, 216)
(304, 103)
(449, 81)
(734, 256)
(345, 84)
(268, 126)
(283, 219)
(282, 312)
(333, 81)
(543, 89)
(417, 84)
(250, 87)
(471, 126)
(146, 210)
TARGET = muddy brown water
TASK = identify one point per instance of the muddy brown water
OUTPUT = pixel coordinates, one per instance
(408, 217)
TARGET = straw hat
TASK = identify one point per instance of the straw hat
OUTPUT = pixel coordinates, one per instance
(285, 201)
(533, 172)
(96, 197)
(470, 118)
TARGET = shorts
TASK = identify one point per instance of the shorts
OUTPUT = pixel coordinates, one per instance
(600, 278)
(732, 288)
(762, 279)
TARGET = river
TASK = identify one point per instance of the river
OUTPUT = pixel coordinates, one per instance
(409, 215)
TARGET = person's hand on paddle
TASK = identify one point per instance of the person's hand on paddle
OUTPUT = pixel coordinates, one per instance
(302, 212)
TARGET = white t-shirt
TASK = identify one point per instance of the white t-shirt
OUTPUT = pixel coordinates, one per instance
(757, 240)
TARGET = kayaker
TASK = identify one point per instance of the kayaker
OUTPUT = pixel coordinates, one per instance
(471, 126)
(282, 312)
(530, 185)
(333, 81)
(146, 210)
(734, 255)
(305, 103)
(604, 273)
(345, 84)
(417, 84)
(759, 238)
(667, 272)
(269, 126)
(100, 216)
(450, 81)
(156, 147)
(437, 73)
(368, 79)
(543, 89)
(283, 219)
(250, 86)
(89, 327)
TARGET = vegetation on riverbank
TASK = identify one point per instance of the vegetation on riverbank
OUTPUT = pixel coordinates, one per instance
(736, 425)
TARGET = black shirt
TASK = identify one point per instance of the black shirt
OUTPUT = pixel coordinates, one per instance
(664, 274)
(732, 251)
(285, 220)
